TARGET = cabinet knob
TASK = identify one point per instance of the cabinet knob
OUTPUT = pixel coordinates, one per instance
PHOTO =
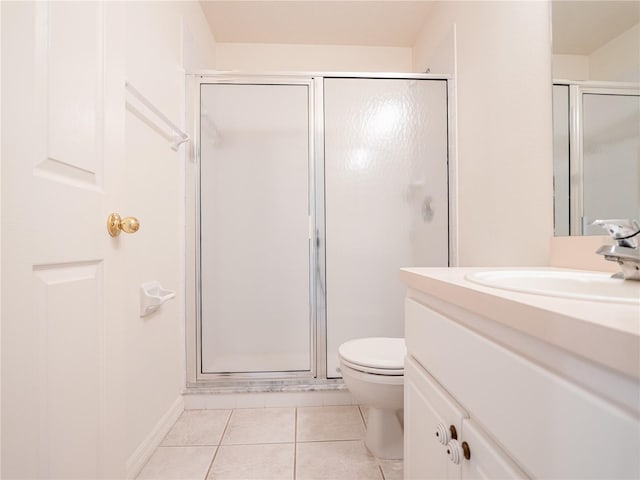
(457, 451)
(444, 434)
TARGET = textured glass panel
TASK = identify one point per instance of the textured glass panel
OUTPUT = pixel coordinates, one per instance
(386, 200)
(255, 228)
(611, 158)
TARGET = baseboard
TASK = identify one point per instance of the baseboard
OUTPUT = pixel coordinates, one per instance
(149, 444)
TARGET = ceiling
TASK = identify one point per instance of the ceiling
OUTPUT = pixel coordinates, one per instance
(579, 27)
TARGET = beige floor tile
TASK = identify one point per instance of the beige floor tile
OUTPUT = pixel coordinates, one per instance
(198, 427)
(329, 423)
(178, 463)
(392, 469)
(260, 425)
(248, 462)
(348, 460)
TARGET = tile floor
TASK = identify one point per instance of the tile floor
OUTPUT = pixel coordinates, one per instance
(301, 443)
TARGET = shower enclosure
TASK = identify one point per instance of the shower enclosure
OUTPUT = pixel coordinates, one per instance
(306, 196)
(596, 154)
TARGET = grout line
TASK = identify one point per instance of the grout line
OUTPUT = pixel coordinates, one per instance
(189, 445)
(328, 441)
(364, 422)
(226, 426)
(254, 443)
(295, 440)
(211, 463)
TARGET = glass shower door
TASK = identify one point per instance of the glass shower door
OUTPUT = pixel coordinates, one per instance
(386, 200)
(254, 228)
(610, 158)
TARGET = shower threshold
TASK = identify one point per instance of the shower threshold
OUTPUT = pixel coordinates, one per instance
(264, 385)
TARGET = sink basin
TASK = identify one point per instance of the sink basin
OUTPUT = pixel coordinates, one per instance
(594, 286)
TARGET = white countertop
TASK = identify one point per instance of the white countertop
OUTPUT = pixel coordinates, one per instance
(606, 333)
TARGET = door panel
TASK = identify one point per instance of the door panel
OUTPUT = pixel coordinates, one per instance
(254, 214)
(610, 158)
(68, 310)
(73, 88)
(386, 199)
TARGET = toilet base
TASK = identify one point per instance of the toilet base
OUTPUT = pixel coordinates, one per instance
(384, 436)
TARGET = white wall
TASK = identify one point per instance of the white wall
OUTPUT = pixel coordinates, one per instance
(504, 127)
(570, 67)
(253, 57)
(435, 49)
(618, 60)
(160, 36)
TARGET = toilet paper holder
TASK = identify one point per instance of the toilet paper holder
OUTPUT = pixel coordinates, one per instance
(152, 296)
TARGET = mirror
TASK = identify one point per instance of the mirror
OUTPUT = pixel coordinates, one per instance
(596, 108)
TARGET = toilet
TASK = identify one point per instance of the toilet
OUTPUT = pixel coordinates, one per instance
(373, 370)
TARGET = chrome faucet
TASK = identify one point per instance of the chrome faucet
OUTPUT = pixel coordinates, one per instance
(625, 252)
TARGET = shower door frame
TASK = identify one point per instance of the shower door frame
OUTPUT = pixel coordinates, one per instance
(316, 377)
(241, 378)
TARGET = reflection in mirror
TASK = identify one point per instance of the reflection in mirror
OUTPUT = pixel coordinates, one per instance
(596, 155)
(596, 106)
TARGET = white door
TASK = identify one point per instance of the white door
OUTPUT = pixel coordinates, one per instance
(61, 120)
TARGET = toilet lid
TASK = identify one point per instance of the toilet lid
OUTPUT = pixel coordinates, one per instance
(380, 352)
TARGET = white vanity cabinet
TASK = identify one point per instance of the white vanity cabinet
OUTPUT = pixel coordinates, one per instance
(524, 407)
(435, 418)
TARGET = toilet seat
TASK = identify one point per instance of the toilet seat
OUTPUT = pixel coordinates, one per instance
(374, 371)
(376, 355)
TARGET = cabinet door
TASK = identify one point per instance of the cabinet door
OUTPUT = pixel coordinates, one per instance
(487, 460)
(426, 406)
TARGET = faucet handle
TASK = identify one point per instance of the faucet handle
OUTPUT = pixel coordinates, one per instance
(621, 230)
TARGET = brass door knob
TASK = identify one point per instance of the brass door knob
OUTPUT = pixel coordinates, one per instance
(116, 224)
